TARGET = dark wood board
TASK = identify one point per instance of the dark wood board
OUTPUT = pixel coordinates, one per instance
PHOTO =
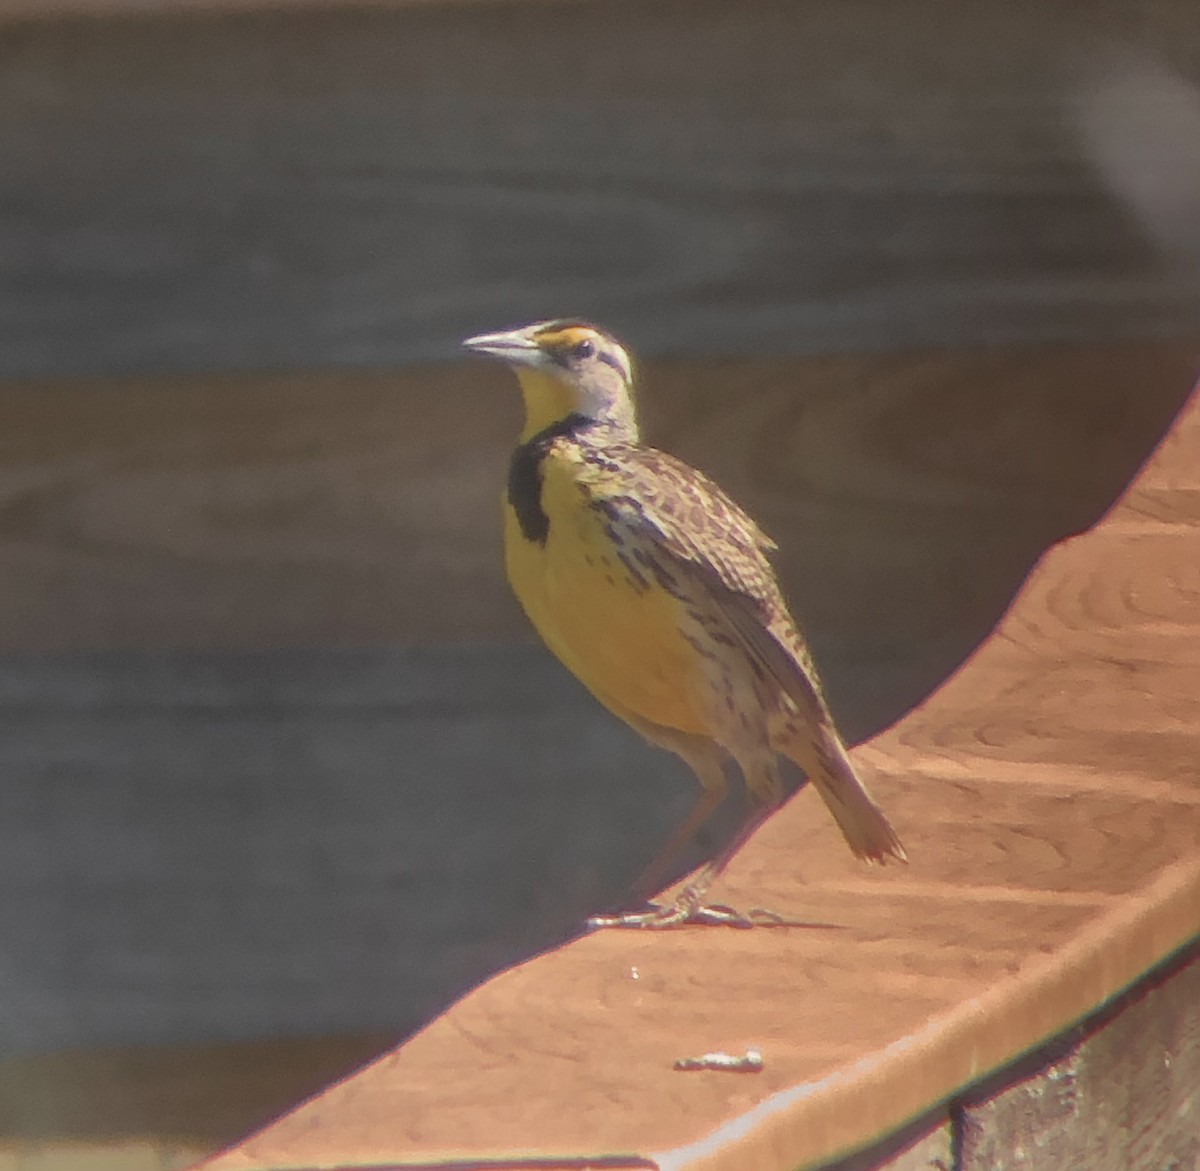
(364, 187)
(205, 848)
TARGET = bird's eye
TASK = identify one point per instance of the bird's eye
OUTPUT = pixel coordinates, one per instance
(584, 349)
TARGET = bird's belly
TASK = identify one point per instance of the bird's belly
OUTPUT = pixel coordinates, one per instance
(620, 634)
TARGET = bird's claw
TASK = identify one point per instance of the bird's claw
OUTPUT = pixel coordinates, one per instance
(658, 917)
(720, 915)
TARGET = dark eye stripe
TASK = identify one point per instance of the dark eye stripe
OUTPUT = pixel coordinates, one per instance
(612, 360)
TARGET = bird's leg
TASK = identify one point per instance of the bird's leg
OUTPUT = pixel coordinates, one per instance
(761, 771)
(689, 905)
(690, 900)
(707, 760)
(648, 882)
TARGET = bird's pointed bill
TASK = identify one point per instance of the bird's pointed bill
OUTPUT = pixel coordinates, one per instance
(514, 346)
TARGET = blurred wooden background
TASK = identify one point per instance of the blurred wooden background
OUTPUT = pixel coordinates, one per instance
(919, 282)
(293, 188)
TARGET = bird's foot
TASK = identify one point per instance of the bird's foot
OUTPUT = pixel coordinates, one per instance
(689, 909)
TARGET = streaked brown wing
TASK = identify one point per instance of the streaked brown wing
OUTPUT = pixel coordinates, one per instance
(715, 554)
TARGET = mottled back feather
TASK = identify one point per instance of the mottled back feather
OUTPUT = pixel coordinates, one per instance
(698, 541)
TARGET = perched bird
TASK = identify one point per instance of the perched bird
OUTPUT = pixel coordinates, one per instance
(654, 588)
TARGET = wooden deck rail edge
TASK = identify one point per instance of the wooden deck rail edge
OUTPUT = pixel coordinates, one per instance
(1048, 793)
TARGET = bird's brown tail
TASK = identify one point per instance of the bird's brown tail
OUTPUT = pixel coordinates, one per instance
(819, 751)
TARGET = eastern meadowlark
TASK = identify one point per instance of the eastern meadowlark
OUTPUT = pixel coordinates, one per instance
(654, 588)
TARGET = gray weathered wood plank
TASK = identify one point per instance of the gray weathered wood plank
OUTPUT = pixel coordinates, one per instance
(365, 187)
(216, 847)
(1120, 1095)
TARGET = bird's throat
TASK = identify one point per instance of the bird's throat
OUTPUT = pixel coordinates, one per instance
(548, 400)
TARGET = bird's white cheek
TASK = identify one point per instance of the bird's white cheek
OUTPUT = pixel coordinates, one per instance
(590, 403)
(595, 402)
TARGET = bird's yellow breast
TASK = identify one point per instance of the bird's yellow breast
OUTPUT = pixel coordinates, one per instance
(619, 634)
